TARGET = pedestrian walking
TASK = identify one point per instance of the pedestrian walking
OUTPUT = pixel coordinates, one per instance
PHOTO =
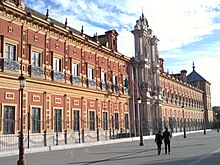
(158, 141)
(166, 138)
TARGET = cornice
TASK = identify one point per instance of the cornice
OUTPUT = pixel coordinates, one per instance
(44, 26)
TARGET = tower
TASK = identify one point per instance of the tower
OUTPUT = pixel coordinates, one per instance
(145, 66)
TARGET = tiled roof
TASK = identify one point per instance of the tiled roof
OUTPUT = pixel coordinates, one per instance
(194, 76)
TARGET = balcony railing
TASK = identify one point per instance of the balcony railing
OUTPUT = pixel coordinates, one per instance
(10, 65)
(104, 86)
(115, 88)
(58, 75)
(125, 89)
(91, 83)
(36, 71)
(76, 80)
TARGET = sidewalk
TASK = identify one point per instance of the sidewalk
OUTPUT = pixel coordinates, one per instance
(80, 145)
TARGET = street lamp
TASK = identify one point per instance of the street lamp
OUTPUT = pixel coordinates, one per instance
(216, 115)
(21, 161)
(184, 123)
(140, 122)
(204, 124)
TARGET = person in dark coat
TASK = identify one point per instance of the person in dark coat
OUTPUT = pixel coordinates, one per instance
(166, 137)
(158, 141)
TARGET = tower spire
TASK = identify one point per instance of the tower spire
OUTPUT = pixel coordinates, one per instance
(47, 14)
(66, 23)
(193, 66)
(82, 31)
(142, 12)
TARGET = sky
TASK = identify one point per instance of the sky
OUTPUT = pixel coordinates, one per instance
(188, 30)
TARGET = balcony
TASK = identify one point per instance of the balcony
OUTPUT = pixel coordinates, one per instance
(125, 90)
(58, 75)
(104, 86)
(76, 80)
(36, 71)
(11, 65)
(115, 88)
(91, 83)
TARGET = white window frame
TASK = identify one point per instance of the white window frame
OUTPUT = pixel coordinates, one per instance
(90, 73)
(36, 61)
(75, 69)
(114, 80)
(57, 64)
(11, 54)
(103, 77)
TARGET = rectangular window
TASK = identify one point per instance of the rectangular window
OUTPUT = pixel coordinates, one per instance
(114, 80)
(76, 120)
(92, 120)
(36, 120)
(57, 120)
(10, 51)
(103, 77)
(57, 64)
(116, 121)
(9, 120)
(126, 82)
(105, 121)
(126, 122)
(90, 73)
(35, 59)
(75, 69)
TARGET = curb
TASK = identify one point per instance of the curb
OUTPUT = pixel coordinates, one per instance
(81, 145)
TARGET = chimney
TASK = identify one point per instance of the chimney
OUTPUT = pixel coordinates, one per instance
(111, 38)
(183, 75)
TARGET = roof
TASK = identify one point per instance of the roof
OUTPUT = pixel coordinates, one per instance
(194, 76)
(42, 16)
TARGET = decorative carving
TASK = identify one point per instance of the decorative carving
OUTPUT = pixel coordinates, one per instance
(36, 98)
(9, 96)
(57, 46)
(76, 102)
(10, 29)
(57, 100)
(36, 38)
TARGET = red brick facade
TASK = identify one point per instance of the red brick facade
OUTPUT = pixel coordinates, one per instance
(49, 94)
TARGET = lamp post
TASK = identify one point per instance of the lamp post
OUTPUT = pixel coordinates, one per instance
(21, 161)
(204, 124)
(216, 115)
(184, 123)
(140, 122)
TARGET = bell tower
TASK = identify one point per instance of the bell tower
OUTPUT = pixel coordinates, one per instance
(146, 68)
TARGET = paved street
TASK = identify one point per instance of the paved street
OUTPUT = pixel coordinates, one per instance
(196, 149)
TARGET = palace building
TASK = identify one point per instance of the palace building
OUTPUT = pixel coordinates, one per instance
(75, 83)
(186, 100)
(160, 99)
(80, 88)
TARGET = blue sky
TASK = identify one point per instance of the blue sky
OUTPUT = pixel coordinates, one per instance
(188, 30)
